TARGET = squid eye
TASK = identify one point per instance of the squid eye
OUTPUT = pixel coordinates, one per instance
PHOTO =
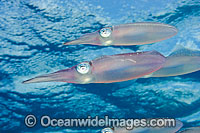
(105, 32)
(83, 68)
(107, 130)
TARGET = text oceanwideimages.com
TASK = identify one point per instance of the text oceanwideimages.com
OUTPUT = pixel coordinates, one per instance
(47, 121)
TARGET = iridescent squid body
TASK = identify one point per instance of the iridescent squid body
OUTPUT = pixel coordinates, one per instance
(181, 61)
(108, 69)
(191, 130)
(128, 34)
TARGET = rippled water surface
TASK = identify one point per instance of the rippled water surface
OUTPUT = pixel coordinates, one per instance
(31, 36)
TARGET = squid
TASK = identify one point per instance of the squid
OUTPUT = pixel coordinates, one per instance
(191, 130)
(128, 34)
(181, 61)
(174, 129)
(107, 69)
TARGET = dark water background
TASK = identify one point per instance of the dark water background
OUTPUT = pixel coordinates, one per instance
(31, 36)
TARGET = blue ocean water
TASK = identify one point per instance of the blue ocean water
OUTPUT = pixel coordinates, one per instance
(31, 36)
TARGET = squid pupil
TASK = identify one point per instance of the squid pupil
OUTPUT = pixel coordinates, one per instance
(83, 68)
